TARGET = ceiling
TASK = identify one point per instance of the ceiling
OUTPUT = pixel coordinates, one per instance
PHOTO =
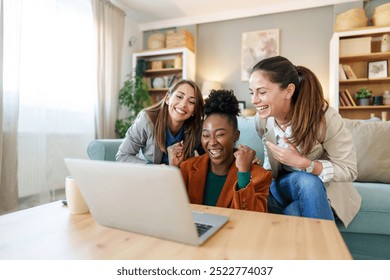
(168, 13)
(157, 10)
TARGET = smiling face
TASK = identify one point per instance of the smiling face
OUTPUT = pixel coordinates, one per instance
(181, 104)
(268, 98)
(218, 138)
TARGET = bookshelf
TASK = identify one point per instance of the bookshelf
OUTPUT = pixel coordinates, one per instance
(359, 65)
(164, 67)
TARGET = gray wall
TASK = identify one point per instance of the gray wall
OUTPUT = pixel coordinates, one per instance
(304, 39)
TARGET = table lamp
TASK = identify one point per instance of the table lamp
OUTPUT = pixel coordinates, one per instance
(207, 86)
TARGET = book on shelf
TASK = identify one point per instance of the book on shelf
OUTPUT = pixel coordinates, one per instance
(350, 98)
(148, 82)
(171, 80)
(345, 99)
(341, 101)
(349, 72)
(342, 76)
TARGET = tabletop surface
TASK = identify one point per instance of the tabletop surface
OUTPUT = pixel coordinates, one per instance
(51, 232)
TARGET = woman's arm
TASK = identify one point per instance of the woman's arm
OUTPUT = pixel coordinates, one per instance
(339, 148)
(138, 136)
(254, 196)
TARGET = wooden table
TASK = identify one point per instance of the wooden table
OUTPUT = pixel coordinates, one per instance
(51, 232)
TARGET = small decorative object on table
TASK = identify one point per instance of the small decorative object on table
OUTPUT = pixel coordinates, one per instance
(363, 96)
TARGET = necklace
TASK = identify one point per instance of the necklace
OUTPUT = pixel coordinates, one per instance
(282, 126)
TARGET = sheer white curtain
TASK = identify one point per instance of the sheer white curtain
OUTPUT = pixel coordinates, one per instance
(8, 124)
(56, 85)
(109, 23)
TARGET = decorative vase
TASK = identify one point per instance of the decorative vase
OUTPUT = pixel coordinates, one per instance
(158, 82)
(385, 44)
(364, 101)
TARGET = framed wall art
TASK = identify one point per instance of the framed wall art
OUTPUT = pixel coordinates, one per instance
(255, 46)
(377, 69)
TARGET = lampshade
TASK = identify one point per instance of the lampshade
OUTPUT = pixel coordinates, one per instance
(207, 86)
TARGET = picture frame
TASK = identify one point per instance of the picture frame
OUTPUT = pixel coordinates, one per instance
(377, 69)
(242, 106)
(255, 46)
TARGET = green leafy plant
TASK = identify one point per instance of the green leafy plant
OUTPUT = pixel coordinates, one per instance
(135, 96)
(363, 93)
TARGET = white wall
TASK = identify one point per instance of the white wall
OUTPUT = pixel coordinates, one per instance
(131, 30)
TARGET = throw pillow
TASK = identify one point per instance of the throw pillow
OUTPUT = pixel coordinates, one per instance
(373, 151)
(249, 137)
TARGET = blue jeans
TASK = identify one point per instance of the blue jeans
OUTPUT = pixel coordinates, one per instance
(299, 194)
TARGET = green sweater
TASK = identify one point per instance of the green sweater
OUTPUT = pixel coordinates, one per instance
(214, 185)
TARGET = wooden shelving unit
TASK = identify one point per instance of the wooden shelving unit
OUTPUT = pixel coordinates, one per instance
(359, 65)
(167, 71)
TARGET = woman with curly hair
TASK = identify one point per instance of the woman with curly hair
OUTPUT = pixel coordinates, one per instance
(225, 176)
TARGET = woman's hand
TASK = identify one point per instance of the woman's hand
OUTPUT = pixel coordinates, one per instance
(175, 153)
(244, 158)
(256, 161)
(289, 156)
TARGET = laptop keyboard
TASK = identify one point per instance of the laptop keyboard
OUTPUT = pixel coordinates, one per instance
(202, 228)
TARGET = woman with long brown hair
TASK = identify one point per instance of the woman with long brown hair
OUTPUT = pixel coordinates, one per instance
(176, 119)
(307, 146)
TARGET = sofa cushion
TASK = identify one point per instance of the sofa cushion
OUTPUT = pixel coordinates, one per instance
(103, 149)
(249, 137)
(372, 146)
(374, 214)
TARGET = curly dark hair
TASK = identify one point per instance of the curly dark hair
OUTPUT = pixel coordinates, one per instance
(222, 102)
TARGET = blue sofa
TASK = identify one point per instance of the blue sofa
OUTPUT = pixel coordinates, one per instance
(368, 236)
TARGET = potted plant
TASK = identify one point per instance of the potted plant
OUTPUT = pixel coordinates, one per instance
(363, 96)
(135, 96)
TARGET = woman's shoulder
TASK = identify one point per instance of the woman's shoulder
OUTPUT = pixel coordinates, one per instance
(331, 116)
(330, 112)
(143, 116)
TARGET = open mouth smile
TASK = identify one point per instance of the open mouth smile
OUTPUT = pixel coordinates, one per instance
(180, 111)
(262, 108)
(215, 152)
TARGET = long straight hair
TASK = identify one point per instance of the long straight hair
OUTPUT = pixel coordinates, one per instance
(159, 115)
(308, 105)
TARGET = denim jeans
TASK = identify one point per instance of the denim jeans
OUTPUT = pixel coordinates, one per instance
(299, 194)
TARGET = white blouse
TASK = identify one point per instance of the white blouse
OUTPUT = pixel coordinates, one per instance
(327, 167)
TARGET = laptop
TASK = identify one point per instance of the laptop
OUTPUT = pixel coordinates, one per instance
(146, 199)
